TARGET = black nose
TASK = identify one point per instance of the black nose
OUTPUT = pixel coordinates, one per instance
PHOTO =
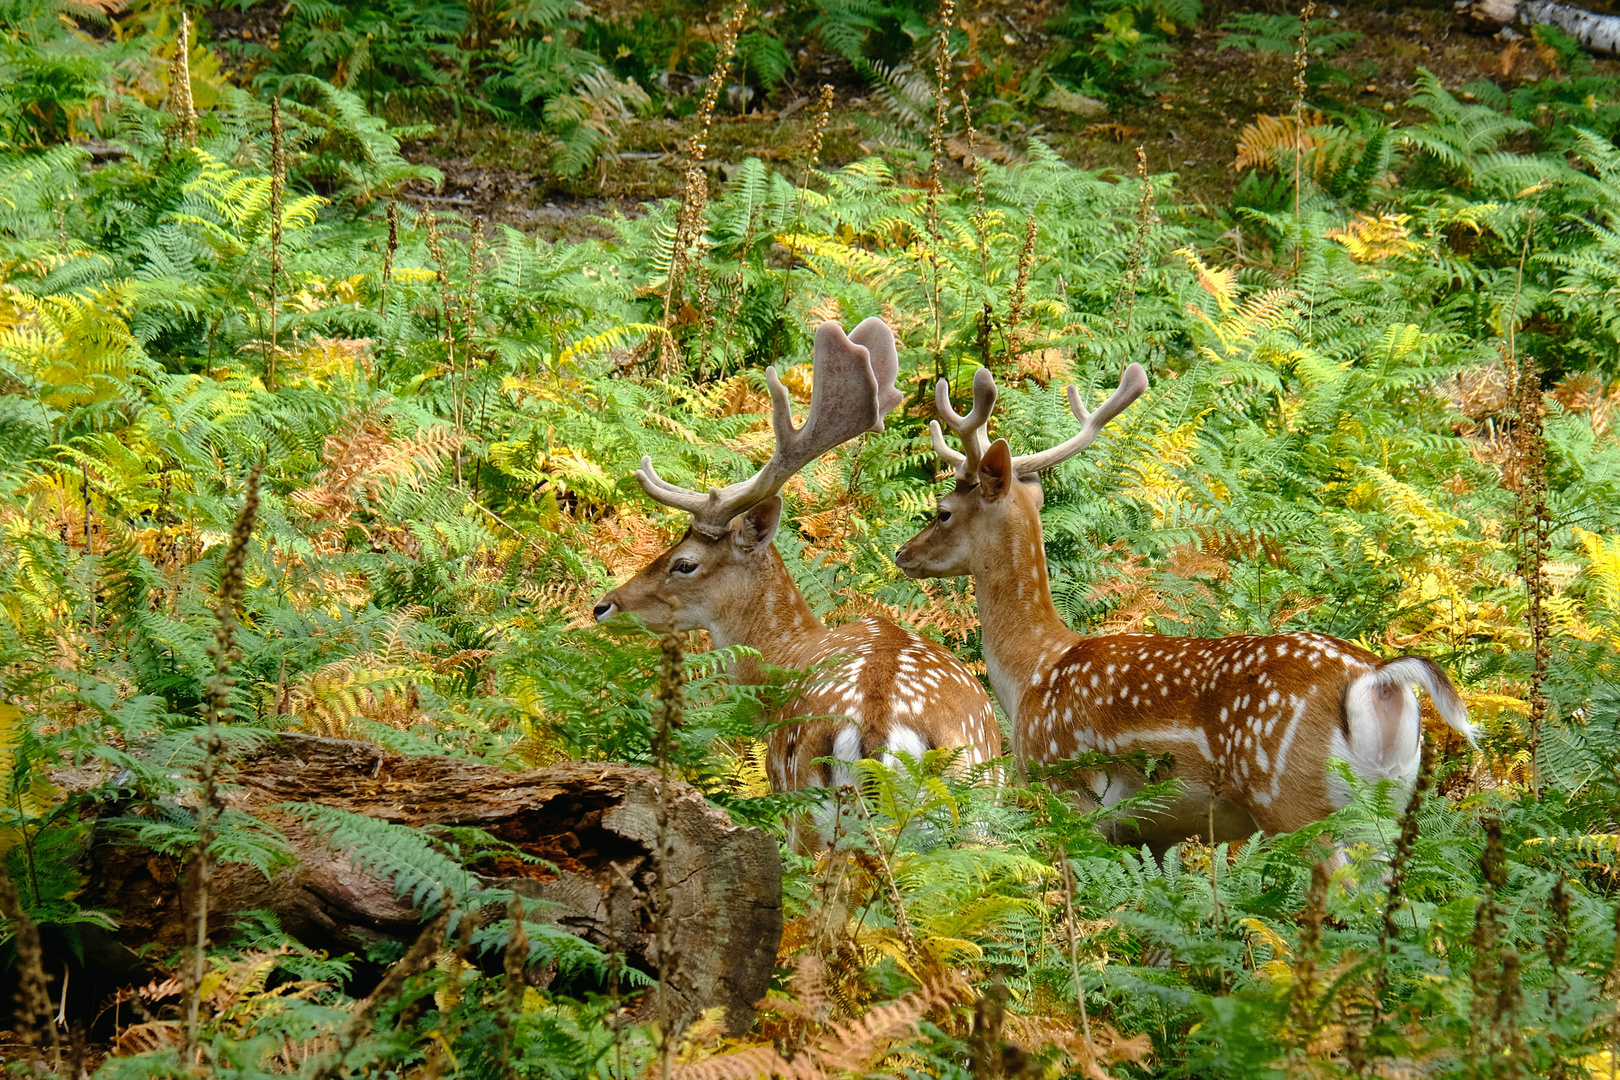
(898, 552)
(602, 610)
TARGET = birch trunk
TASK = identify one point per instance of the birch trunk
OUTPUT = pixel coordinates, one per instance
(1598, 33)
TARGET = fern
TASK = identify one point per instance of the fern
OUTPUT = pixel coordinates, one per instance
(420, 870)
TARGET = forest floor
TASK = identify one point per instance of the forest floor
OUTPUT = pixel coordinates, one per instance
(1189, 125)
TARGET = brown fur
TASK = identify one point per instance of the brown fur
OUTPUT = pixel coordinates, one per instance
(885, 678)
(1251, 722)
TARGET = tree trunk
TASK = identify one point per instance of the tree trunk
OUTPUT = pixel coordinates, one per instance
(1598, 33)
(596, 823)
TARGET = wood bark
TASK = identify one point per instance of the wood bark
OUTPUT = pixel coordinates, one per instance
(1598, 33)
(596, 823)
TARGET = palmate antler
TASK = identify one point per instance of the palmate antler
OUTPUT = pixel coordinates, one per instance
(970, 428)
(852, 389)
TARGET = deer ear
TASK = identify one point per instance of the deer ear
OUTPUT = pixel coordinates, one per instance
(995, 471)
(757, 527)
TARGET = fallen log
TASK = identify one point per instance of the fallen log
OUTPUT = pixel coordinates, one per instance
(596, 825)
(1598, 33)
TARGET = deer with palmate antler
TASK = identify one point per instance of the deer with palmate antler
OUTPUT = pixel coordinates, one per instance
(1251, 723)
(884, 689)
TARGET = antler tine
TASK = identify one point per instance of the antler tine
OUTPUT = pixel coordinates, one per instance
(969, 428)
(672, 495)
(846, 399)
(1132, 383)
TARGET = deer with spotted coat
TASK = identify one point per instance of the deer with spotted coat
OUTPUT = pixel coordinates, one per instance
(882, 689)
(1251, 723)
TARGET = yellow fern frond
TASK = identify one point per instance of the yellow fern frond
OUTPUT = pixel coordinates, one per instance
(607, 339)
(1603, 565)
(1221, 284)
(29, 799)
(1374, 239)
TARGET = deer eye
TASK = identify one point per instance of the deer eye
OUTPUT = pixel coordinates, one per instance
(684, 567)
(944, 516)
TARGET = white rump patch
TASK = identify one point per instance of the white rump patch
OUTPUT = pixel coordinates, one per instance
(1385, 731)
(902, 740)
(1385, 727)
(846, 748)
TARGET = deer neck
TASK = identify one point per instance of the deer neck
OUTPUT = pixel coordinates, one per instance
(1023, 633)
(768, 614)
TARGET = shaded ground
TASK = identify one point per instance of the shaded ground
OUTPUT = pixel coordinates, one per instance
(1190, 126)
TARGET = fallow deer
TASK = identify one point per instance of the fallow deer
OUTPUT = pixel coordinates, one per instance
(898, 691)
(1250, 722)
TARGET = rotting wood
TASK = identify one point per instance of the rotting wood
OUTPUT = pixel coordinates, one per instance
(595, 822)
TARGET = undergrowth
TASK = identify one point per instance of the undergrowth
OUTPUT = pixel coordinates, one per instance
(442, 420)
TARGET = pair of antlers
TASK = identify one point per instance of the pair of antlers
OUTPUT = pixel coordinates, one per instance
(970, 429)
(851, 391)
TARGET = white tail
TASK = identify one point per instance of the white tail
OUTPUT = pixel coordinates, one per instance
(1250, 722)
(886, 689)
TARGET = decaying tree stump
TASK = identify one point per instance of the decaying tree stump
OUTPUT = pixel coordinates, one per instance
(1598, 33)
(596, 823)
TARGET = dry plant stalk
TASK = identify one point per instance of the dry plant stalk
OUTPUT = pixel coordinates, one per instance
(516, 962)
(1138, 253)
(936, 185)
(991, 1055)
(1530, 447)
(1557, 950)
(216, 702)
(818, 133)
(1611, 987)
(1527, 478)
(413, 963)
(891, 887)
(89, 533)
(691, 219)
(1020, 293)
(33, 1016)
(1074, 943)
(278, 185)
(1302, 57)
(1497, 1048)
(388, 258)
(1389, 932)
(671, 708)
(977, 168)
(435, 243)
(1303, 1022)
(468, 306)
(179, 100)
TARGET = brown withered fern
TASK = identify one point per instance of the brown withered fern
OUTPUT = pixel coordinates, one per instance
(826, 1047)
(365, 453)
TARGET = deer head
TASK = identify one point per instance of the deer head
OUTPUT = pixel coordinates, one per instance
(996, 502)
(716, 569)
